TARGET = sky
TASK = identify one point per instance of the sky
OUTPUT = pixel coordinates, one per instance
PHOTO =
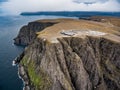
(18, 6)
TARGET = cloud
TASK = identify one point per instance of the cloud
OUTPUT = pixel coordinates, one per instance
(18, 6)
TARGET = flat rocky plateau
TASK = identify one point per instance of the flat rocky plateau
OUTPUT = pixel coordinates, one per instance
(70, 54)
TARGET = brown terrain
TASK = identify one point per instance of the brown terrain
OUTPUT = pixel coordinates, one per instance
(109, 26)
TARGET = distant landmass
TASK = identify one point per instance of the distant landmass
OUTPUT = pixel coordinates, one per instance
(73, 13)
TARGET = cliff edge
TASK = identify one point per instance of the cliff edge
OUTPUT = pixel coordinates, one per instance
(70, 54)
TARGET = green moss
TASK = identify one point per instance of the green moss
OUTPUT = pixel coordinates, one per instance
(36, 80)
(40, 80)
(24, 61)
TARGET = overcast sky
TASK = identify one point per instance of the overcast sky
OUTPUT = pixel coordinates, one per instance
(18, 6)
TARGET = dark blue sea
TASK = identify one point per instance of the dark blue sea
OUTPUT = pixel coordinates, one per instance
(9, 28)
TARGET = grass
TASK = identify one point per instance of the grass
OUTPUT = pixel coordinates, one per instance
(36, 79)
(40, 80)
(24, 61)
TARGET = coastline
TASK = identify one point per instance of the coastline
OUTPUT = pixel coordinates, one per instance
(22, 74)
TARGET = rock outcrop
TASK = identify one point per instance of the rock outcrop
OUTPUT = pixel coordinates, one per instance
(28, 32)
(84, 61)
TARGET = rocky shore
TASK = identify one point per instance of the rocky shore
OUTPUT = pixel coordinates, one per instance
(24, 76)
(89, 59)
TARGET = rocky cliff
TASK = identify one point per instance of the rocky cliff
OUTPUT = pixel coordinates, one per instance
(28, 32)
(73, 55)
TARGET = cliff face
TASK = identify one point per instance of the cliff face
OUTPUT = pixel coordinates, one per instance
(28, 32)
(73, 64)
(84, 61)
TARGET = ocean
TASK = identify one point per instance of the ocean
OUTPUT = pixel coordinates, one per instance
(9, 28)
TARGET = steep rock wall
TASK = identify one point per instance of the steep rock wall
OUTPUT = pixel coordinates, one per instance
(28, 32)
(74, 63)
